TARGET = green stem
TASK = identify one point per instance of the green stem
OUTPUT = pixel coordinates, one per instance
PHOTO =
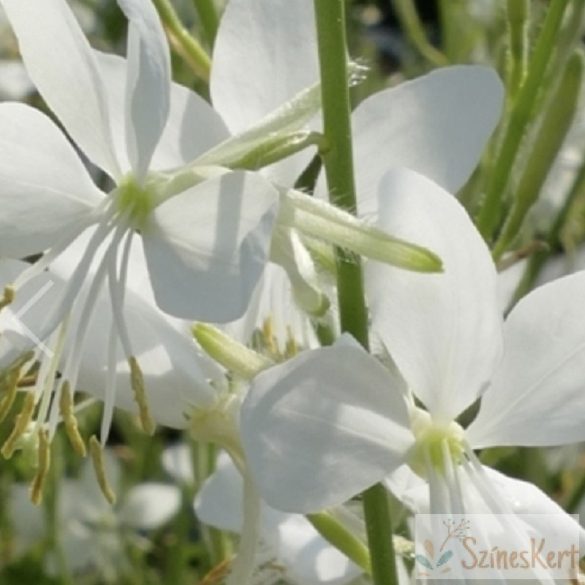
(517, 12)
(410, 21)
(538, 260)
(338, 160)
(379, 529)
(522, 111)
(339, 536)
(182, 41)
(209, 18)
(551, 134)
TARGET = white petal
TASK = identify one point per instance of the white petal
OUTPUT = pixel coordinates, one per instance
(536, 396)
(192, 128)
(62, 65)
(309, 558)
(265, 53)
(206, 248)
(174, 371)
(21, 322)
(149, 505)
(46, 191)
(273, 301)
(148, 82)
(219, 501)
(442, 330)
(322, 427)
(306, 556)
(436, 125)
(177, 461)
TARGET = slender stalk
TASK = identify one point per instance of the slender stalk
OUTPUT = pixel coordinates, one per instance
(338, 160)
(538, 260)
(209, 18)
(182, 41)
(522, 111)
(517, 13)
(554, 127)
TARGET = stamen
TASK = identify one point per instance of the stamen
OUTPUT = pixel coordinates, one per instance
(76, 279)
(66, 409)
(137, 383)
(97, 458)
(9, 385)
(8, 296)
(10, 381)
(43, 465)
(20, 426)
(110, 390)
(268, 334)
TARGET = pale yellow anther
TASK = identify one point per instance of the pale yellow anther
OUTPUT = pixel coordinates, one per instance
(43, 465)
(67, 412)
(97, 458)
(8, 296)
(137, 383)
(8, 386)
(20, 426)
(268, 335)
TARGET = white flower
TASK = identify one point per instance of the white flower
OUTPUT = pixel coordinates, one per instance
(331, 422)
(437, 125)
(292, 549)
(174, 375)
(205, 241)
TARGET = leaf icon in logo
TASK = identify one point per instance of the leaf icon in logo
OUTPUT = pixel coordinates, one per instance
(429, 548)
(424, 561)
(444, 558)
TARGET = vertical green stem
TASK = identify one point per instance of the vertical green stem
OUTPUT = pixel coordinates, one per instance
(182, 41)
(209, 18)
(553, 129)
(338, 160)
(521, 113)
(517, 13)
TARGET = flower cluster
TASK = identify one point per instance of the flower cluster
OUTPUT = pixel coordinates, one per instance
(196, 259)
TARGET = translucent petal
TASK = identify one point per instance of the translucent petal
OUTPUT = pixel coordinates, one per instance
(265, 52)
(62, 65)
(536, 396)
(46, 191)
(437, 125)
(148, 82)
(255, 73)
(21, 321)
(442, 330)
(175, 376)
(306, 556)
(206, 248)
(321, 427)
(192, 128)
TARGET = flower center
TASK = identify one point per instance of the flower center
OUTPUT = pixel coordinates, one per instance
(437, 444)
(135, 202)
